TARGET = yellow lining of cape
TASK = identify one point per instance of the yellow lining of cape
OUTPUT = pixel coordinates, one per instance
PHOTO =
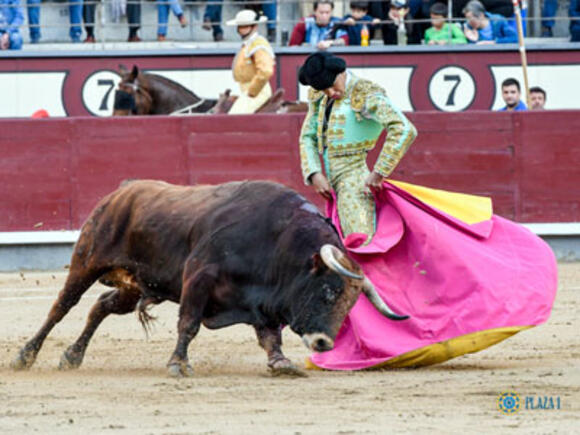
(470, 209)
(444, 350)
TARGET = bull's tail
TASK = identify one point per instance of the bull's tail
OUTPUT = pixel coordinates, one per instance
(143, 315)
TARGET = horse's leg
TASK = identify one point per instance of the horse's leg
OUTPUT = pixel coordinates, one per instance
(118, 301)
(77, 283)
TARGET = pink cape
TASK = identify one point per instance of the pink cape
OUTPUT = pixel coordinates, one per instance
(452, 278)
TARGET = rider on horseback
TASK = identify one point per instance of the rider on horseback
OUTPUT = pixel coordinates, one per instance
(253, 65)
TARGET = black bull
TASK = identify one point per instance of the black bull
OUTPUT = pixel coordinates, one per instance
(250, 252)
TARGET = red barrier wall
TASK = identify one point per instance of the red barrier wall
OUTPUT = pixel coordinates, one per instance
(52, 172)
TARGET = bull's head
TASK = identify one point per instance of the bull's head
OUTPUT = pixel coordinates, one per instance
(335, 283)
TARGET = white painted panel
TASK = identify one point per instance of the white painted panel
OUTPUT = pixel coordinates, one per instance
(23, 93)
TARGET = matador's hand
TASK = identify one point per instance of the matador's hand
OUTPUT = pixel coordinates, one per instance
(374, 182)
(321, 185)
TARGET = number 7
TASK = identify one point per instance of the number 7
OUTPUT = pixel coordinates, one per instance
(111, 85)
(451, 97)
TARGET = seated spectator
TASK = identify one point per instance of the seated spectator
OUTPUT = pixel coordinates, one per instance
(510, 92)
(440, 33)
(75, 12)
(134, 19)
(354, 22)
(163, 7)
(548, 13)
(502, 7)
(212, 17)
(574, 12)
(537, 98)
(316, 29)
(398, 11)
(11, 18)
(89, 7)
(33, 20)
(485, 28)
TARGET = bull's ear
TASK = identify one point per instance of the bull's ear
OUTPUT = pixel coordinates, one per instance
(317, 266)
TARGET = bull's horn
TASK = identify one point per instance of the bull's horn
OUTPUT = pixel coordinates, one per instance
(374, 298)
(328, 253)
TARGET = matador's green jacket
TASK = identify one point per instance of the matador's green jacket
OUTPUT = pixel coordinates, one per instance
(355, 123)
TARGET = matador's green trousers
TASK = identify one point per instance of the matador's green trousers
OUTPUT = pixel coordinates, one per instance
(355, 202)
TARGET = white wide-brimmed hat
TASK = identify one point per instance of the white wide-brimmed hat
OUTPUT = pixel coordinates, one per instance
(247, 17)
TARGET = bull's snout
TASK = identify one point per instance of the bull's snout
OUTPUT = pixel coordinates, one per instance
(318, 342)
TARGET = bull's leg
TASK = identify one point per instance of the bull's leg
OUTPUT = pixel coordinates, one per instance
(118, 301)
(77, 283)
(271, 341)
(194, 296)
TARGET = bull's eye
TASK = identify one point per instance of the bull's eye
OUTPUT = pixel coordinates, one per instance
(330, 294)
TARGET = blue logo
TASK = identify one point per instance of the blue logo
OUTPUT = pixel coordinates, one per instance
(508, 403)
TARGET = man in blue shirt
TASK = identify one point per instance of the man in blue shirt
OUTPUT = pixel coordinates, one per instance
(485, 28)
(510, 92)
(11, 18)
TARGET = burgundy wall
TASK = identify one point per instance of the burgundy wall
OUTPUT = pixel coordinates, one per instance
(53, 171)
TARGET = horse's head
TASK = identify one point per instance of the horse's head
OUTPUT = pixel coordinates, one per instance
(132, 96)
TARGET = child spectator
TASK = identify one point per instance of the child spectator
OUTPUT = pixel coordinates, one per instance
(398, 12)
(440, 33)
(356, 20)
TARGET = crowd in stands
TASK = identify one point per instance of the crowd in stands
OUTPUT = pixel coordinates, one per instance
(398, 21)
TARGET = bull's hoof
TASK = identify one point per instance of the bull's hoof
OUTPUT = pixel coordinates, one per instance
(180, 370)
(285, 367)
(70, 360)
(23, 360)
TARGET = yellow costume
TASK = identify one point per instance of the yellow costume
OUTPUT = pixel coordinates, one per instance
(252, 67)
(354, 124)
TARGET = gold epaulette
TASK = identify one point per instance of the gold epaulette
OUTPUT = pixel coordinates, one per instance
(259, 43)
(314, 95)
(361, 90)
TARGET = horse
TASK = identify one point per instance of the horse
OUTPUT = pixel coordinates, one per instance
(150, 94)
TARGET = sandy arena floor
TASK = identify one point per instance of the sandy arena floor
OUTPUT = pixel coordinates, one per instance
(122, 386)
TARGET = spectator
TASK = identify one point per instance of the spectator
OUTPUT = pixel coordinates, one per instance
(537, 98)
(355, 21)
(502, 7)
(485, 28)
(398, 11)
(574, 12)
(75, 12)
(33, 20)
(548, 13)
(89, 7)
(163, 7)
(510, 92)
(134, 19)
(316, 29)
(11, 18)
(440, 32)
(212, 17)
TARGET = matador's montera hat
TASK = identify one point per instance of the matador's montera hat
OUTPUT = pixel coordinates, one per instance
(320, 70)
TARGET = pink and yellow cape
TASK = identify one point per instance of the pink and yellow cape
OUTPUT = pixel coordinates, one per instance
(467, 278)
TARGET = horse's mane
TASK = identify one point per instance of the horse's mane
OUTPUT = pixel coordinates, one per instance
(170, 84)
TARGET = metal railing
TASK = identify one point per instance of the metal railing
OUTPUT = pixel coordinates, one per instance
(107, 27)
